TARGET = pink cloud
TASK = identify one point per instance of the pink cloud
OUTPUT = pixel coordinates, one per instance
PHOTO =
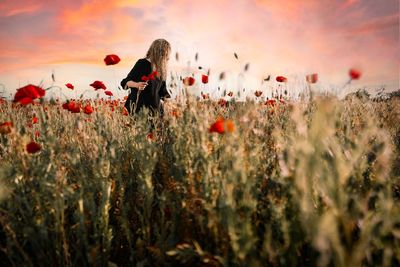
(274, 36)
(10, 8)
(377, 24)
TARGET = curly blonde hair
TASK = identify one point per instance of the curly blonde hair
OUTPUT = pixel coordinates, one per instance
(158, 55)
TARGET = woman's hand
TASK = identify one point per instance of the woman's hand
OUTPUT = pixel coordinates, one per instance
(139, 85)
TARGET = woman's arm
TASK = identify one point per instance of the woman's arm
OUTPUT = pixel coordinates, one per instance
(133, 78)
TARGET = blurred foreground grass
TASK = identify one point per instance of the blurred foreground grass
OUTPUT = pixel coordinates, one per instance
(296, 184)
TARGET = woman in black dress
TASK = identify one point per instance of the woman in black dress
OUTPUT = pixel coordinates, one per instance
(149, 93)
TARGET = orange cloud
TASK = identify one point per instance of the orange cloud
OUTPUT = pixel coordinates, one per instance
(274, 36)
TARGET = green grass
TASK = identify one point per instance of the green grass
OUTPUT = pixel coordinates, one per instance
(301, 184)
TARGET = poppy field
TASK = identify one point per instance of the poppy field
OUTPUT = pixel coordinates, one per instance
(314, 182)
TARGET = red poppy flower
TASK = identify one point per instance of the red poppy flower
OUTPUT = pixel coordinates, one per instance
(217, 126)
(76, 109)
(152, 75)
(27, 92)
(175, 113)
(354, 74)
(312, 78)
(188, 81)
(35, 120)
(258, 93)
(109, 93)
(73, 107)
(26, 101)
(88, 109)
(111, 59)
(205, 96)
(70, 86)
(98, 85)
(270, 102)
(33, 147)
(281, 79)
(230, 126)
(125, 97)
(222, 102)
(150, 136)
(204, 79)
(221, 126)
(37, 134)
(125, 112)
(5, 127)
(230, 94)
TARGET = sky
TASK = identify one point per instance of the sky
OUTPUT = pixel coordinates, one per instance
(291, 38)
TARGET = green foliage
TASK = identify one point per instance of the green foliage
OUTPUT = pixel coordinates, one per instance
(299, 184)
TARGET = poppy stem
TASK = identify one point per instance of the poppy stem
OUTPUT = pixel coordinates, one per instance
(56, 86)
(137, 100)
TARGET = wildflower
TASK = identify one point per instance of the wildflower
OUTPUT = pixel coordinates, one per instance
(258, 93)
(354, 74)
(25, 95)
(73, 107)
(230, 94)
(6, 127)
(111, 59)
(222, 102)
(37, 134)
(188, 81)
(33, 147)
(67, 105)
(70, 86)
(270, 102)
(109, 93)
(204, 79)
(281, 79)
(150, 136)
(217, 126)
(312, 78)
(205, 96)
(26, 101)
(98, 85)
(221, 126)
(150, 77)
(88, 109)
(153, 75)
(175, 113)
(35, 120)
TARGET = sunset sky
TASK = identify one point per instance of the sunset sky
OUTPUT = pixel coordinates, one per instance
(290, 38)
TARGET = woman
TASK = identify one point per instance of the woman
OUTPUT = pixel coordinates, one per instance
(149, 93)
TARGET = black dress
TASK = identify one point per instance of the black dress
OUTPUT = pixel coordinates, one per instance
(151, 95)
